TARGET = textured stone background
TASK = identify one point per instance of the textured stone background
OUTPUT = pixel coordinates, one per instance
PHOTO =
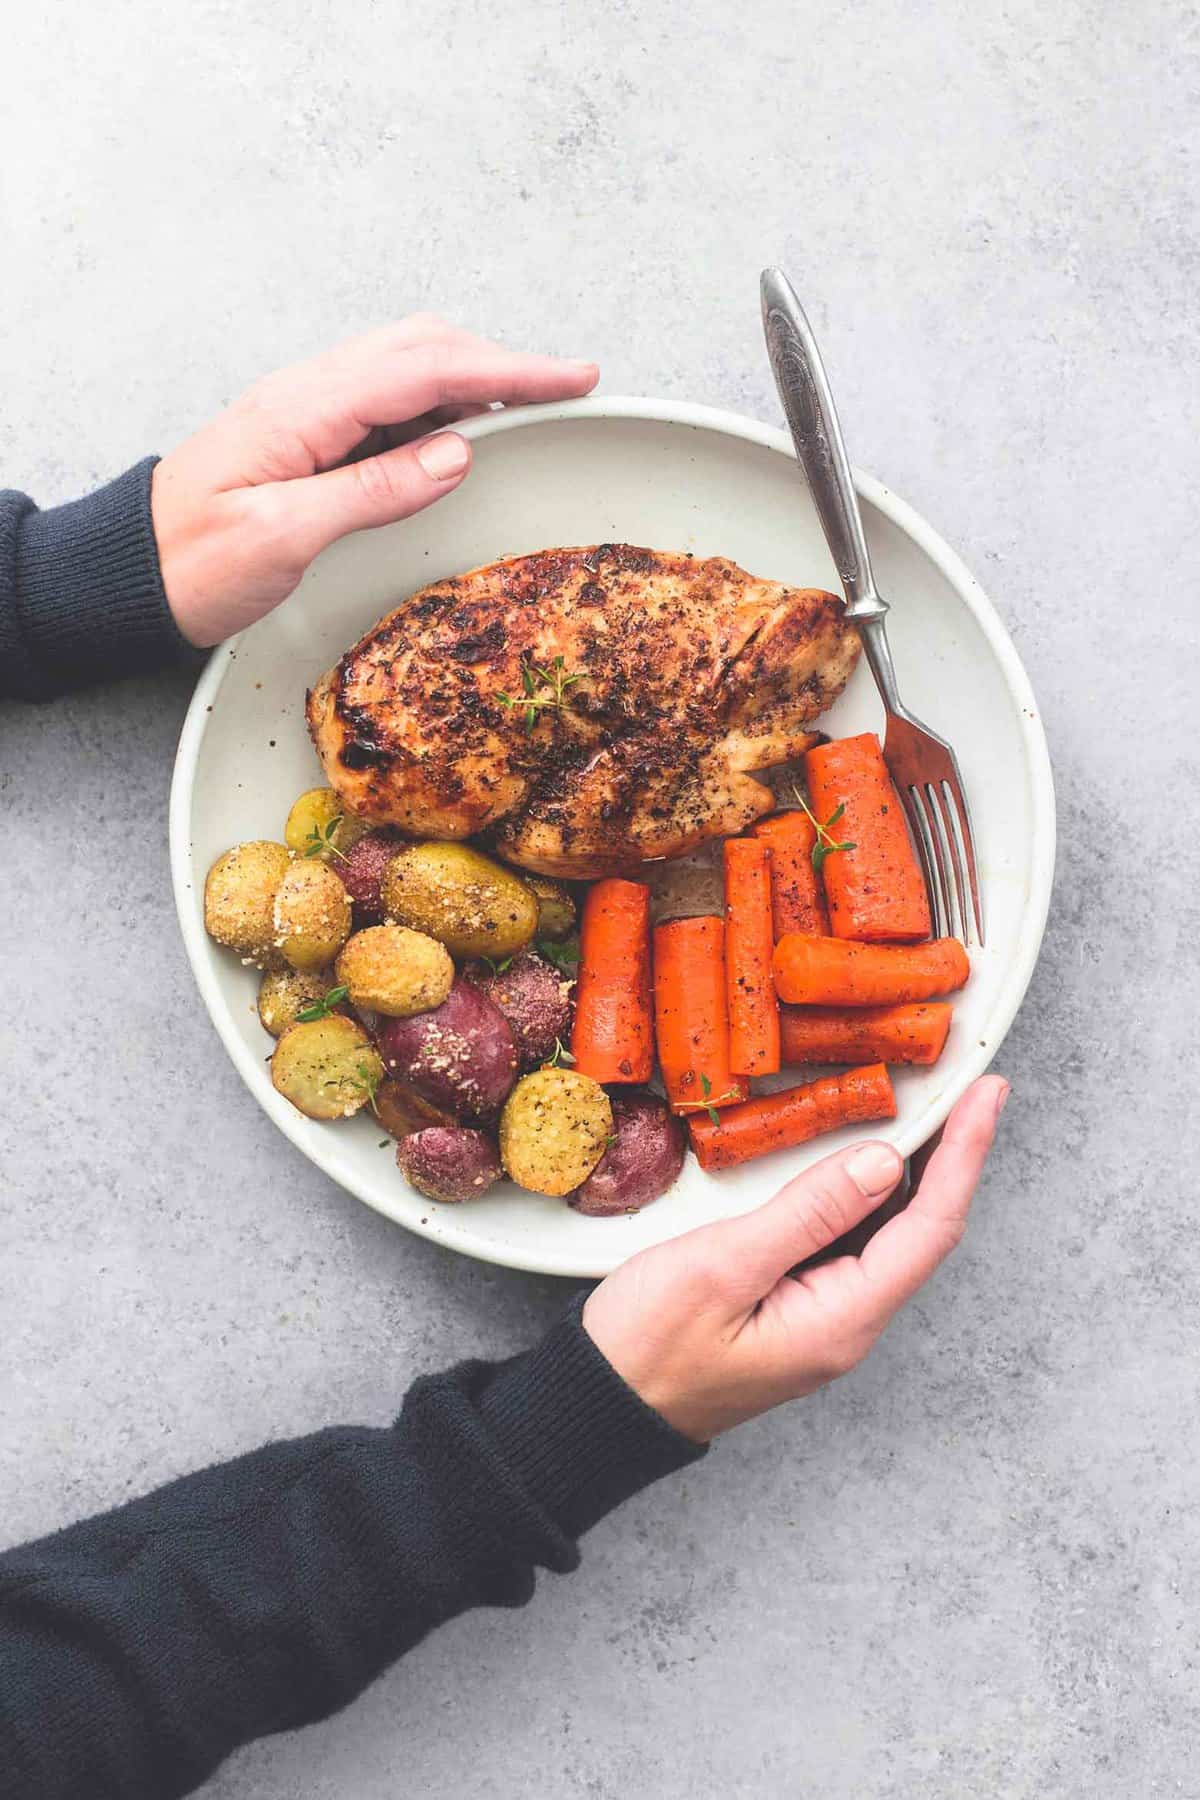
(974, 1567)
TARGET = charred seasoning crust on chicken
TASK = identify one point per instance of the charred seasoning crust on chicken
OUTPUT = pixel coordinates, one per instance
(687, 675)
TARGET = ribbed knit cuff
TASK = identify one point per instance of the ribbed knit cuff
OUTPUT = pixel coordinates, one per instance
(577, 1437)
(89, 597)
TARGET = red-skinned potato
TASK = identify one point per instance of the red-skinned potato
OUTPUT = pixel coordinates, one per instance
(641, 1165)
(461, 1056)
(361, 870)
(534, 998)
(449, 1163)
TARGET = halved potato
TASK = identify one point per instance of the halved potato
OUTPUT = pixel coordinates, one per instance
(390, 969)
(283, 993)
(319, 826)
(401, 1109)
(312, 915)
(239, 898)
(554, 1129)
(328, 1069)
(473, 905)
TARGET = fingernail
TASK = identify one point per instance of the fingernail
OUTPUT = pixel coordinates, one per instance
(874, 1169)
(443, 457)
(1002, 1102)
(581, 368)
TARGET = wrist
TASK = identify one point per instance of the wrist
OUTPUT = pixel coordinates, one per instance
(577, 1435)
(90, 587)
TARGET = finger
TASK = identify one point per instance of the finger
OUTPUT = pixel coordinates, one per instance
(810, 1212)
(437, 420)
(856, 1240)
(311, 513)
(330, 405)
(909, 1248)
(423, 377)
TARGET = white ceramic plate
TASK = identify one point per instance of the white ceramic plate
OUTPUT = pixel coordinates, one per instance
(678, 478)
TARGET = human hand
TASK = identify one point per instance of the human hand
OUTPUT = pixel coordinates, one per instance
(350, 439)
(711, 1329)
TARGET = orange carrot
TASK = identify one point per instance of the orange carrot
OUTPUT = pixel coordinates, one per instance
(797, 897)
(848, 1034)
(691, 1017)
(812, 971)
(781, 1121)
(876, 891)
(749, 941)
(613, 1035)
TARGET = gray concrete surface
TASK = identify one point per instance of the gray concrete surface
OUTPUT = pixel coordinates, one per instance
(972, 1568)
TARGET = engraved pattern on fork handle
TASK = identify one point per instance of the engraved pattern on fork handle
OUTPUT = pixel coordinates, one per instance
(811, 415)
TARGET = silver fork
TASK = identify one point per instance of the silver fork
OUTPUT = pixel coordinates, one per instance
(922, 765)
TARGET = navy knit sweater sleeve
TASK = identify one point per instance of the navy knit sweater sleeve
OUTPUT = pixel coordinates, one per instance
(81, 596)
(138, 1649)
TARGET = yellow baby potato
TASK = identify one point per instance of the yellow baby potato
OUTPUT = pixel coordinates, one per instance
(473, 905)
(312, 915)
(556, 909)
(284, 993)
(554, 1129)
(239, 898)
(390, 969)
(328, 1068)
(319, 826)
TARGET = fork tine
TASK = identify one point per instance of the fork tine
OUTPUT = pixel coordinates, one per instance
(963, 815)
(942, 858)
(946, 817)
(920, 831)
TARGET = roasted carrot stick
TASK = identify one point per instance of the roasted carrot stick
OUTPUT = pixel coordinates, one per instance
(812, 971)
(797, 897)
(876, 891)
(613, 1035)
(691, 1017)
(857, 1034)
(780, 1121)
(749, 941)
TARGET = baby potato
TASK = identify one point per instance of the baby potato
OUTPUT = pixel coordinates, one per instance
(554, 1129)
(284, 993)
(449, 1163)
(239, 898)
(534, 998)
(328, 1068)
(642, 1161)
(460, 1057)
(362, 870)
(469, 903)
(390, 969)
(556, 909)
(319, 826)
(312, 915)
(401, 1109)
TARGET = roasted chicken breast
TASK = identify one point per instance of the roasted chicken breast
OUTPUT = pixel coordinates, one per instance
(587, 709)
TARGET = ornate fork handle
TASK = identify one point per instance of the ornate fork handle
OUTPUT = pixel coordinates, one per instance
(812, 416)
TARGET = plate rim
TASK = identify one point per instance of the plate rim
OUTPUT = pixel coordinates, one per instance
(449, 1231)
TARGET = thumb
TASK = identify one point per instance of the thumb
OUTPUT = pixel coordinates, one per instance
(376, 491)
(811, 1212)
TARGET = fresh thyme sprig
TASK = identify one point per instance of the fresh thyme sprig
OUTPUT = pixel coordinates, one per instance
(541, 688)
(559, 1056)
(319, 841)
(322, 1007)
(497, 968)
(711, 1108)
(365, 1081)
(826, 844)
